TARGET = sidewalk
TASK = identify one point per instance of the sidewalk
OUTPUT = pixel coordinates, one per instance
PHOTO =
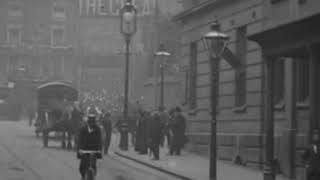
(190, 166)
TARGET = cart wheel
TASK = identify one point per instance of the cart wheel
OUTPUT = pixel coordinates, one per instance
(45, 139)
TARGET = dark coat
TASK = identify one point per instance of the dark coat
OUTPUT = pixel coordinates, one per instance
(156, 129)
(178, 130)
(89, 141)
(107, 125)
(141, 135)
(76, 120)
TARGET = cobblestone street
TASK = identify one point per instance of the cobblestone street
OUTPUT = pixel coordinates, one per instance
(22, 157)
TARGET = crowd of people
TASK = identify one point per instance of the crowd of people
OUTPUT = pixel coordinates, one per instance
(159, 128)
(101, 99)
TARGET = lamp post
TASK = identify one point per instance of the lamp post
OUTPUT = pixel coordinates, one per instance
(128, 27)
(162, 54)
(215, 42)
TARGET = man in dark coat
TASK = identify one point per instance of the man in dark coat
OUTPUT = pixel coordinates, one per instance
(156, 134)
(178, 130)
(107, 125)
(141, 133)
(76, 121)
(165, 118)
(89, 139)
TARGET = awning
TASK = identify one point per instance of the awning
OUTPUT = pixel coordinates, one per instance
(289, 37)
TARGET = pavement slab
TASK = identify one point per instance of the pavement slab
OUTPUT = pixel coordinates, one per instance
(191, 166)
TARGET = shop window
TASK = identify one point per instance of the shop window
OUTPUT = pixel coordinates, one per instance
(14, 33)
(193, 75)
(278, 83)
(240, 74)
(302, 80)
(57, 36)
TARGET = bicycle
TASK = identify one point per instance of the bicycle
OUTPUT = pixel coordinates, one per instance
(90, 172)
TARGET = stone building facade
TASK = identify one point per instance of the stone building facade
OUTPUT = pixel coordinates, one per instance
(260, 31)
(38, 36)
(240, 91)
(37, 43)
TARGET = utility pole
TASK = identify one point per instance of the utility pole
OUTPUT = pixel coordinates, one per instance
(214, 77)
(155, 62)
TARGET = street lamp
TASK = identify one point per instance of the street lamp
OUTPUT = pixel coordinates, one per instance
(215, 42)
(163, 55)
(128, 27)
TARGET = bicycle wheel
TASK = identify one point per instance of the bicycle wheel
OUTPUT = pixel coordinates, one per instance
(90, 174)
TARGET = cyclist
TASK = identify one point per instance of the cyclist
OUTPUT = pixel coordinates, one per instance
(89, 139)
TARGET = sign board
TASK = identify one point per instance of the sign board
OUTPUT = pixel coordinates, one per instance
(94, 8)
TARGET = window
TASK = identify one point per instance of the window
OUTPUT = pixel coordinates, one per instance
(187, 85)
(57, 36)
(14, 33)
(57, 66)
(278, 81)
(240, 74)
(193, 75)
(13, 63)
(14, 9)
(302, 79)
(59, 12)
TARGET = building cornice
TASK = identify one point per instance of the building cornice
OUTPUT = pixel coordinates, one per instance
(202, 7)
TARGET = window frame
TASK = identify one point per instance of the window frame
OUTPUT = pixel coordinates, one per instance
(193, 64)
(240, 91)
(187, 85)
(15, 13)
(303, 95)
(59, 15)
(53, 28)
(11, 27)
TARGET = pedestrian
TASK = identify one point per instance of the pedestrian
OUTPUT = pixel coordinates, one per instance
(168, 127)
(164, 118)
(107, 126)
(141, 145)
(76, 121)
(178, 130)
(156, 133)
(148, 126)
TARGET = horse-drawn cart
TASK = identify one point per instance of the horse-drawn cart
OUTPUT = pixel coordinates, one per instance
(55, 100)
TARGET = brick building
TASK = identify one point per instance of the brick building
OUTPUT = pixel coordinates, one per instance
(283, 32)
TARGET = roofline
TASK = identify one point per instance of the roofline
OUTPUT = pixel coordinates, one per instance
(198, 8)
